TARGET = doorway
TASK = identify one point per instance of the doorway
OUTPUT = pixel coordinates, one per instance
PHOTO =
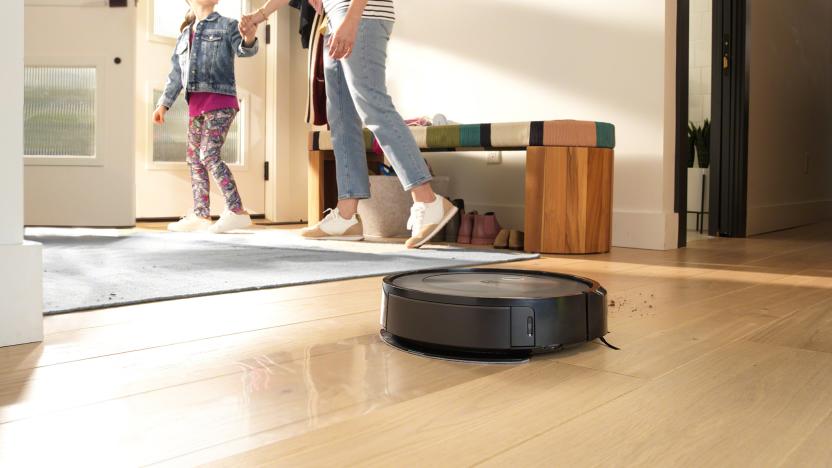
(698, 129)
(163, 188)
(711, 118)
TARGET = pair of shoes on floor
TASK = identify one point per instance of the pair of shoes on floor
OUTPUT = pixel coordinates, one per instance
(426, 221)
(478, 229)
(228, 221)
(511, 239)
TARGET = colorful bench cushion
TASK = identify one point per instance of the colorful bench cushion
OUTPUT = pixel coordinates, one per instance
(497, 135)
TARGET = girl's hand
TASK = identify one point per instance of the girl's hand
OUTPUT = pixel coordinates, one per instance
(247, 21)
(318, 5)
(249, 33)
(159, 115)
(341, 42)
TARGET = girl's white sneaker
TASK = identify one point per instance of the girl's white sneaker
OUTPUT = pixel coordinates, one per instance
(230, 221)
(190, 223)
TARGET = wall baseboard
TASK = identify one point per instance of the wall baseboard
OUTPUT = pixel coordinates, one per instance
(21, 289)
(769, 218)
(645, 230)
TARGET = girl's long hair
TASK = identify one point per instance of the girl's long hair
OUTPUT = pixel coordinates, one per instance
(190, 18)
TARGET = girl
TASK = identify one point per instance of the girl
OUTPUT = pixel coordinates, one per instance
(203, 65)
(355, 58)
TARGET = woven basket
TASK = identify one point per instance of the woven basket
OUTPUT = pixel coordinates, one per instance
(385, 214)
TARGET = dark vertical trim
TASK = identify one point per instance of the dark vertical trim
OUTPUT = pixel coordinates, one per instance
(716, 116)
(682, 116)
(536, 134)
(729, 133)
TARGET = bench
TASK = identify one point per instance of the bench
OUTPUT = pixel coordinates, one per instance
(569, 176)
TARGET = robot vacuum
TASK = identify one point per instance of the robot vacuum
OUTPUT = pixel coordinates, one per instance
(490, 315)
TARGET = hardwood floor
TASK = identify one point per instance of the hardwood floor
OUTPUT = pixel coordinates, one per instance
(726, 360)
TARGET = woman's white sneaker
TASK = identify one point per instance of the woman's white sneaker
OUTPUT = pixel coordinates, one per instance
(334, 227)
(427, 219)
(230, 221)
(190, 223)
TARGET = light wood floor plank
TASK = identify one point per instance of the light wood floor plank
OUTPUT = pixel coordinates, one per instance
(457, 426)
(809, 328)
(816, 449)
(32, 392)
(340, 381)
(745, 404)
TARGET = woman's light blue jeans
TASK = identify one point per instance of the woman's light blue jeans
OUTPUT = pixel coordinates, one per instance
(356, 89)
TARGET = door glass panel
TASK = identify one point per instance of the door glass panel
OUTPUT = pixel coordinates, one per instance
(59, 111)
(170, 139)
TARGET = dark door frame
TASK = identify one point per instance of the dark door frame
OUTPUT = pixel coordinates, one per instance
(729, 121)
(682, 104)
(729, 118)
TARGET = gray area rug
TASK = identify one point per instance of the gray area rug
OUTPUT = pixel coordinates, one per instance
(90, 269)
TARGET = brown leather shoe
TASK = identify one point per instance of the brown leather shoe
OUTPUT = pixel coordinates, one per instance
(466, 228)
(486, 229)
(501, 242)
(516, 240)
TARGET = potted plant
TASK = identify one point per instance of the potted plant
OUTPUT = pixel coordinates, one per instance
(703, 144)
(692, 135)
(700, 137)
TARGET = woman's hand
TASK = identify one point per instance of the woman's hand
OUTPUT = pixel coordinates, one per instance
(341, 42)
(318, 5)
(252, 19)
(159, 115)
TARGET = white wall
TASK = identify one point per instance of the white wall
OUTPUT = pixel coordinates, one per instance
(519, 60)
(11, 128)
(790, 114)
(297, 119)
(701, 27)
(20, 262)
(291, 145)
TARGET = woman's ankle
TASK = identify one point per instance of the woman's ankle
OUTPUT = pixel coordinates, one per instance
(423, 194)
(348, 208)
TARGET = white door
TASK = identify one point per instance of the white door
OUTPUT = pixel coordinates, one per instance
(163, 187)
(79, 129)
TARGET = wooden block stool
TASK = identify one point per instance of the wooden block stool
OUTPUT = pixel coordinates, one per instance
(568, 200)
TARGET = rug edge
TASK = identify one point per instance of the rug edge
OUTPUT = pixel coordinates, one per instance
(525, 257)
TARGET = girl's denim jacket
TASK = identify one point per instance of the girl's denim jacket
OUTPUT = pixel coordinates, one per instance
(209, 67)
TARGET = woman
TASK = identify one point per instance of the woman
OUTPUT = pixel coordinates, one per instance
(355, 55)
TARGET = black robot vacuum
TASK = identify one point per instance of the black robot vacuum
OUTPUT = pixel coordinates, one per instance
(490, 315)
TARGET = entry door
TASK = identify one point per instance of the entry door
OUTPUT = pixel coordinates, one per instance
(163, 187)
(79, 129)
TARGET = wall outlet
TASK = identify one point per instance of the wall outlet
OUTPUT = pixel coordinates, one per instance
(494, 157)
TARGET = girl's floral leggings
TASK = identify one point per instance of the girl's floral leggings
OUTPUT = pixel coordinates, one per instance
(206, 135)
